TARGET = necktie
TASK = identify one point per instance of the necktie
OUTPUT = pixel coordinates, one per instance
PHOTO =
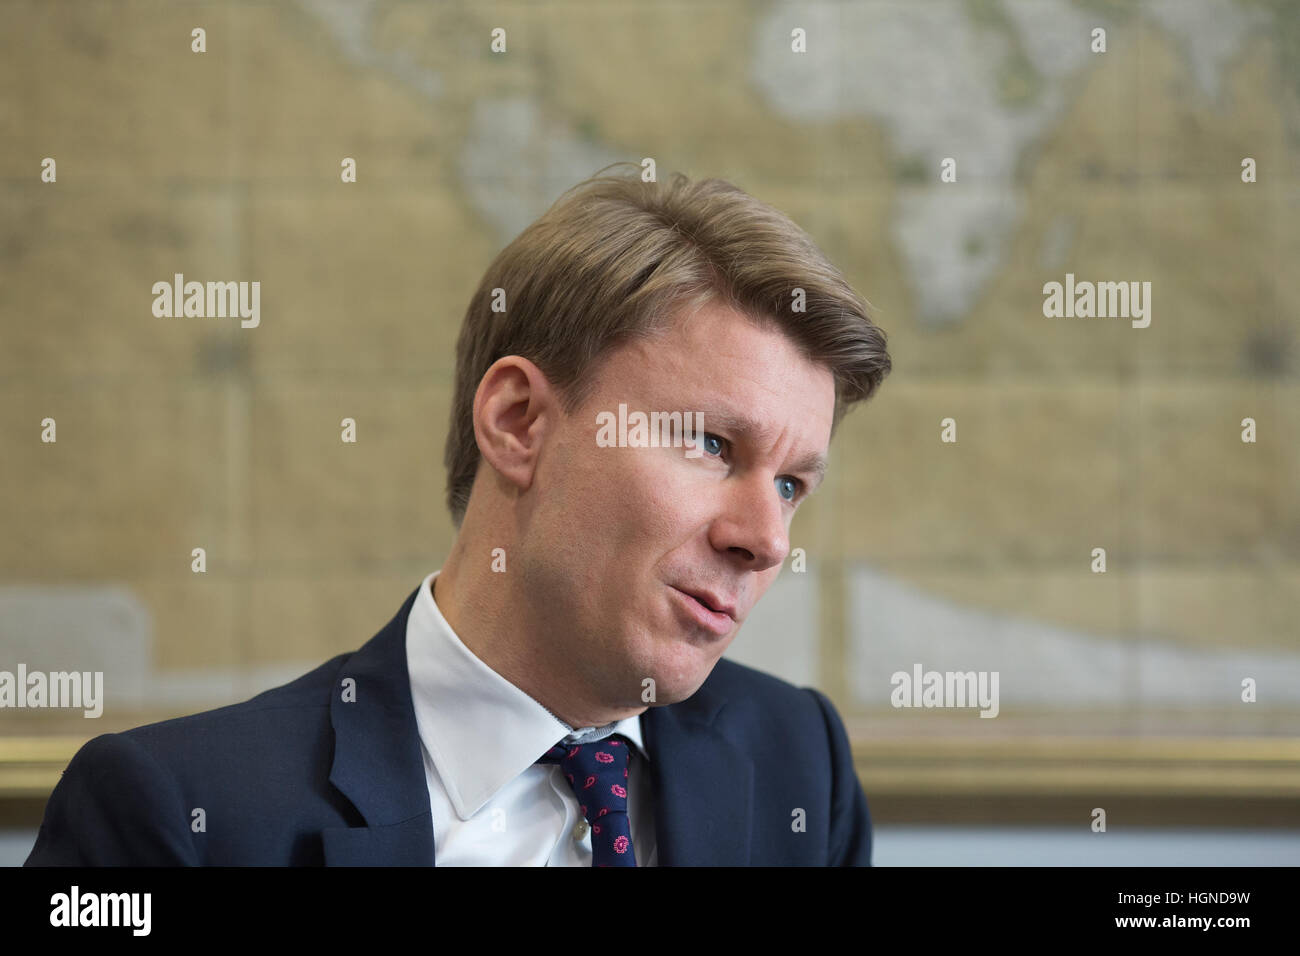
(597, 772)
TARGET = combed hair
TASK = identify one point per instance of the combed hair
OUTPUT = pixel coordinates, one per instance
(616, 258)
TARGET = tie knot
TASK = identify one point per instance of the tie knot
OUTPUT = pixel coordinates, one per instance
(612, 752)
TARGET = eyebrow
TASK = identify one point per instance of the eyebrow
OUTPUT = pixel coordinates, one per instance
(813, 464)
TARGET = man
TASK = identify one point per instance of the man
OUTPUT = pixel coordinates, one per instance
(555, 694)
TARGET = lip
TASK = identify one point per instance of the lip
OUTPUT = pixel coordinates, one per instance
(719, 622)
(712, 601)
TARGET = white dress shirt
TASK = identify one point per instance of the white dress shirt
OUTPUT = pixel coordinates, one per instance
(493, 805)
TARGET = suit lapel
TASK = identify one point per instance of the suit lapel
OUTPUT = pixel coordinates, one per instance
(377, 760)
(703, 785)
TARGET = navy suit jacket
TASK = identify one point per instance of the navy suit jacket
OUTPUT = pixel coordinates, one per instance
(297, 776)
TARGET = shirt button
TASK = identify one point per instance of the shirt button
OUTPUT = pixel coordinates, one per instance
(580, 830)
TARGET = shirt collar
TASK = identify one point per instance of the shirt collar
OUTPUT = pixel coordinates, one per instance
(480, 730)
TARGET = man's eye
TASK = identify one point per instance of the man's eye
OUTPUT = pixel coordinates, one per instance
(787, 484)
(707, 444)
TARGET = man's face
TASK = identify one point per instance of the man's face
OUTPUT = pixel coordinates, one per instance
(616, 536)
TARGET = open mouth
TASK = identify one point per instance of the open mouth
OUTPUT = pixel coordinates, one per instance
(700, 600)
(705, 613)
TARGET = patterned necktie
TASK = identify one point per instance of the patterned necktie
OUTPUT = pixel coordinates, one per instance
(597, 772)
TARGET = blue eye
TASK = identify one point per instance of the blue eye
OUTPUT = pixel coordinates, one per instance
(787, 488)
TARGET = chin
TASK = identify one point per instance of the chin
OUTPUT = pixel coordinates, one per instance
(663, 698)
(679, 665)
(686, 682)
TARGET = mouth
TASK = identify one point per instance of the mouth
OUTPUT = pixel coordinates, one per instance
(707, 610)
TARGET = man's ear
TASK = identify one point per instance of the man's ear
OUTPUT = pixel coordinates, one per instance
(514, 407)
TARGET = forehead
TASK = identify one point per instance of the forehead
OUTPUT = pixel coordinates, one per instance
(721, 360)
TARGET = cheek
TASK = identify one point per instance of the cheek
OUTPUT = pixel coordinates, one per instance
(602, 501)
(655, 481)
(621, 508)
(577, 487)
(671, 494)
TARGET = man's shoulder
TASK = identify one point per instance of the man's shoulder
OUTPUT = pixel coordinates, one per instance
(264, 727)
(309, 692)
(252, 772)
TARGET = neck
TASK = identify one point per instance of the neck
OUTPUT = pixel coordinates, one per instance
(494, 617)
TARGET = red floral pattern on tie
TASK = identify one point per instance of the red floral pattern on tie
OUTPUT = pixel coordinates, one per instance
(601, 765)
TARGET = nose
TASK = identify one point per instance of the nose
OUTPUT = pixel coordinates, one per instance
(752, 524)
